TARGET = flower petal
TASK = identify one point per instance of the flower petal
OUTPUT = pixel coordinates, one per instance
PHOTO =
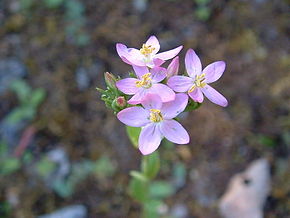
(173, 108)
(192, 63)
(150, 138)
(140, 71)
(127, 86)
(214, 71)
(122, 51)
(196, 95)
(156, 63)
(158, 74)
(173, 67)
(180, 83)
(174, 132)
(151, 101)
(129, 55)
(166, 93)
(137, 98)
(153, 41)
(214, 96)
(134, 116)
(169, 54)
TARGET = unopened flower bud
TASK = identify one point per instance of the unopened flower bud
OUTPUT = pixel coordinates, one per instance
(110, 80)
(173, 67)
(121, 102)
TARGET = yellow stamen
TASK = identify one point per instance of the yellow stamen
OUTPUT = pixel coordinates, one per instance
(146, 49)
(155, 115)
(198, 82)
(145, 81)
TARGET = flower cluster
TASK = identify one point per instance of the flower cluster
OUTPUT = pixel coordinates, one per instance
(153, 96)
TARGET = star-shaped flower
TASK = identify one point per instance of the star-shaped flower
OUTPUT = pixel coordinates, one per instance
(197, 83)
(156, 120)
(147, 82)
(147, 55)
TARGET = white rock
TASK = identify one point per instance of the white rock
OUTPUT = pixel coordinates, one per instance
(74, 211)
(247, 192)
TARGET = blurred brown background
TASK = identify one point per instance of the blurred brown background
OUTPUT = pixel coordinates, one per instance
(60, 50)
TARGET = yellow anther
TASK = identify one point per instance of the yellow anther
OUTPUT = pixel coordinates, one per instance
(198, 82)
(145, 81)
(155, 115)
(146, 49)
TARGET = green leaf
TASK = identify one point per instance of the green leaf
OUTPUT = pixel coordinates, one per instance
(22, 90)
(202, 13)
(266, 140)
(161, 189)
(138, 190)
(138, 175)
(133, 134)
(44, 167)
(202, 2)
(150, 165)
(179, 175)
(9, 166)
(53, 3)
(104, 167)
(20, 113)
(37, 97)
(151, 209)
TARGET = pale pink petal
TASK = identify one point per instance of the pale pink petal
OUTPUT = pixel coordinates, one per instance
(166, 93)
(174, 132)
(153, 41)
(140, 71)
(122, 51)
(214, 96)
(180, 83)
(171, 109)
(136, 54)
(192, 63)
(158, 74)
(129, 55)
(150, 138)
(127, 86)
(169, 54)
(137, 98)
(196, 95)
(214, 71)
(156, 62)
(151, 101)
(173, 67)
(134, 116)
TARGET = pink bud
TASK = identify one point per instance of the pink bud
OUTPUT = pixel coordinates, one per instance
(110, 80)
(173, 67)
(121, 102)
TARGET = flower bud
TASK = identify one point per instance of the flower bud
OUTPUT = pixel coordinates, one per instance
(110, 80)
(173, 67)
(121, 102)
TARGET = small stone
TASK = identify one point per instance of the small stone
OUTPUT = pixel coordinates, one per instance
(74, 211)
(247, 192)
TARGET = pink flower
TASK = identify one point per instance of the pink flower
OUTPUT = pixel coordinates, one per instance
(147, 54)
(197, 83)
(173, 67)
(147, 82)
(156, 120)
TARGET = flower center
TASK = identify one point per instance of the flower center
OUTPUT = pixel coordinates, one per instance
(155, 115)
(146, 50)
(145, 82)
(198, 82)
